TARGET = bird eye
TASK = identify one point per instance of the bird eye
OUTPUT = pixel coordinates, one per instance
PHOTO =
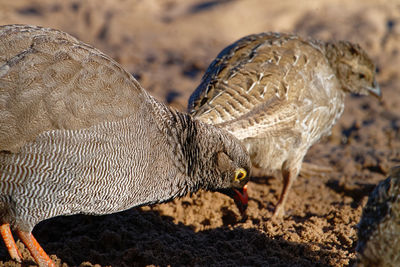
(361, 75)
(240, 174)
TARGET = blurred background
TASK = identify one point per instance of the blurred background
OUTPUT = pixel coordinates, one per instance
(167, 45)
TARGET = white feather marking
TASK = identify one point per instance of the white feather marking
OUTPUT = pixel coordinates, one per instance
(4, 69)
(264, 90)
(251, 87)
(296, 59)
(212, 100)
(209, 109)
(279, 59)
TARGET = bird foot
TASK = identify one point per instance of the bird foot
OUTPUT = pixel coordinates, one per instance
(40, 256)
(10, 242)
(279, 212)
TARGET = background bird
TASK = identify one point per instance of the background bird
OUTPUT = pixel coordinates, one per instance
(78, 134)
(280, 94)
(379, 227)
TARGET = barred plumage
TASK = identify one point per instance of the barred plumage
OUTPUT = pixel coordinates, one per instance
(379, 227)
(78, 134)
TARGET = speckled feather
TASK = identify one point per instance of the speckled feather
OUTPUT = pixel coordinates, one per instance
(280, 94)
(78, 134)
(379, 227)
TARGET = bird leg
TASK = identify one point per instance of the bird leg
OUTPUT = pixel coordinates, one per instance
(288, 179)
(40, 256)
(9, 242)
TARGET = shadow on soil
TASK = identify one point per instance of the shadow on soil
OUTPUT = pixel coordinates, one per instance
(138, 238)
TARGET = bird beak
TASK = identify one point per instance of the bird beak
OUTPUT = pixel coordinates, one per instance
(241, 199)
(375, 90)
(239, 196)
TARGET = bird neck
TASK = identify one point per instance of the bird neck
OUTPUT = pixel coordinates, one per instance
(333, 54)
(191, 151)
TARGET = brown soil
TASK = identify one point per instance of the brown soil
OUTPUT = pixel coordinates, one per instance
(167, 45)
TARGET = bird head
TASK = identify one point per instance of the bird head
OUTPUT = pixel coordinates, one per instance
(232, 167)
(354, 67)
(235, 178)
(216, 161)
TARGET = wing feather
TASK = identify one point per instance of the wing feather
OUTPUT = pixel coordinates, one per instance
(257, 85)
(49, 80)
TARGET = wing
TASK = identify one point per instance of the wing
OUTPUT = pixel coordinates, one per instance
(268, 117)
(258, 84)
(49, 80)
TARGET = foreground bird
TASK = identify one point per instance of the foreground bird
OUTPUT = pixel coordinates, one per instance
(280, 94)
(379, 227)
(78, 134)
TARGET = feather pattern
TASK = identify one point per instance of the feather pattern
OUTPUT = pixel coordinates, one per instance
(78, 134)
(280, 93)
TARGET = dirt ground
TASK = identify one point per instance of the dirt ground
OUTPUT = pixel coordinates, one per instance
(167, 45)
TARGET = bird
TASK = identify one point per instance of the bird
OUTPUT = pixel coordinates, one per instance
(279, 94)
(79, 135)
(379, 227)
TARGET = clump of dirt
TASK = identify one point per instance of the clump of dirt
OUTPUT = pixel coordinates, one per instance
(167, 45)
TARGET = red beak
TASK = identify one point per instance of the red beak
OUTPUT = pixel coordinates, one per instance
(241, 199)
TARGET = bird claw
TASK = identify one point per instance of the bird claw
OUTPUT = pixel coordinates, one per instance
(40, 256)
(279, 212)
(10, 242)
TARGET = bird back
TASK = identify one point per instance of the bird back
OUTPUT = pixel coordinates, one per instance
(49, 80)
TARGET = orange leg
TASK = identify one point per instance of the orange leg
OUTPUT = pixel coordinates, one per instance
(35, 249)
(10, 243)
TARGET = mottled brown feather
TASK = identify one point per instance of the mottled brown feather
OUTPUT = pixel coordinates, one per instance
(280, 93)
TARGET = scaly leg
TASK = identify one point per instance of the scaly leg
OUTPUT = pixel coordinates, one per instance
(289, 175)
(10, 243)
(40, 256)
